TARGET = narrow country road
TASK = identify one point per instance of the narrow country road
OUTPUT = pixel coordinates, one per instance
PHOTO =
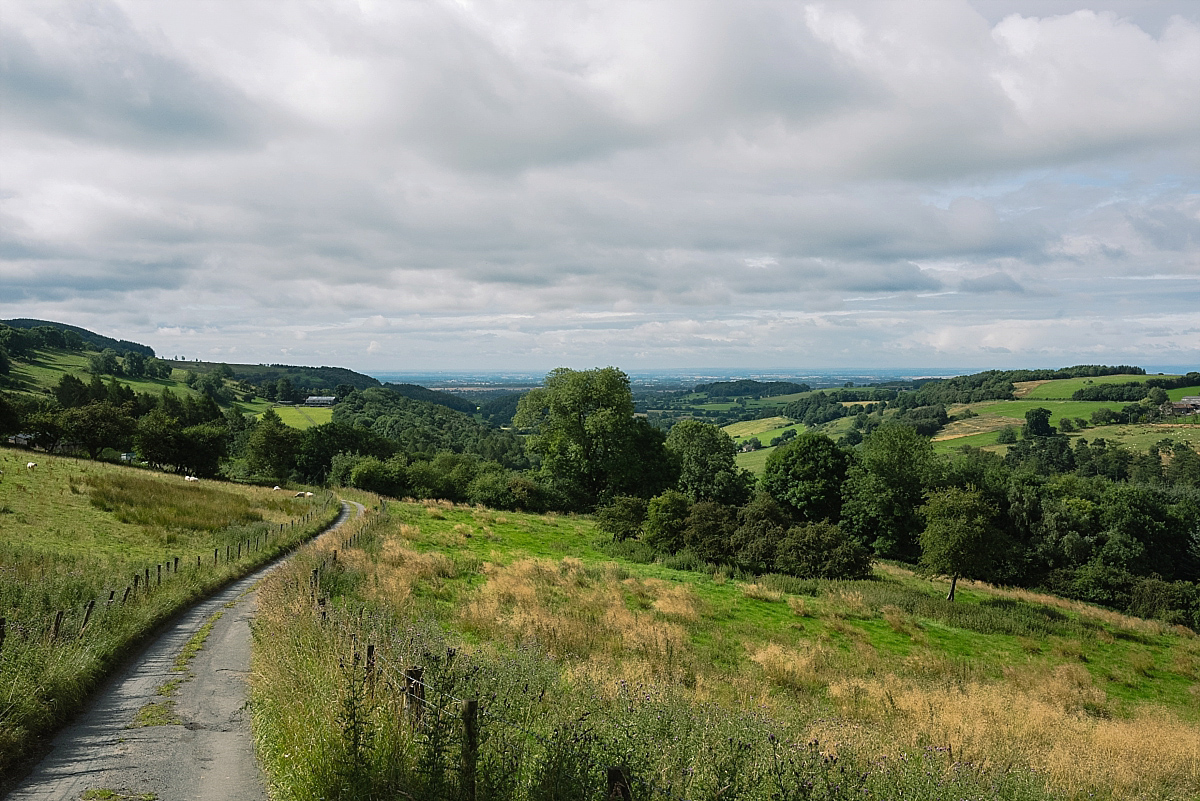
(208, 754)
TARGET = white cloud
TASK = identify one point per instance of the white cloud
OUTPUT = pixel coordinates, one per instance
(485, 184)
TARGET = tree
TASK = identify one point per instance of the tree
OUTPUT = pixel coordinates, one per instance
(97, 426)
(622, 517)
(583, 431)
(708, 532)
(1007, 436)
(203, 448)
(960, 537)
(806, 476)
(271, 447)
(104, 363)
(762, 524)
(5, 364)
(10, 417)
(1037, 424)
(135, 364)
(666, 517)
(884, 490)
(707, 471)
(156, 439)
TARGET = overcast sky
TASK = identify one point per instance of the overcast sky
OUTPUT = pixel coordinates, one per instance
(472, 185)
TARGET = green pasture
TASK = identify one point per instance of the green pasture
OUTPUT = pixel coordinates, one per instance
(53, 510)
(1063, 388)
(765, 434)
(1178, 394)
(303, 417)
(750, 428)
(754, 461)
(49, 366)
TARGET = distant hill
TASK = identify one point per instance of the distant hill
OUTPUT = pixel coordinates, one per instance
(448, 399)
(318, 378)
(765, 389)
(98, 341)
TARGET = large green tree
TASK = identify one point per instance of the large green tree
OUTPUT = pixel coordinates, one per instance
(885, 489)
(583, 431)
(272, 446)
(806, 477)
(960, 537)
(97, 426)
(707, 471)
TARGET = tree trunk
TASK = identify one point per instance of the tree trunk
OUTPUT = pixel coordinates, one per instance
(953, 584)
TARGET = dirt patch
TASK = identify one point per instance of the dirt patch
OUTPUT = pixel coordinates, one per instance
(1021, 389)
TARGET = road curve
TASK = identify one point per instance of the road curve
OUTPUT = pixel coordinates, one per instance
(209, 754)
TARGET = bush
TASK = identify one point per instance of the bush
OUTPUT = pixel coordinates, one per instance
(666, 517)
(622, 517)
(822, 550)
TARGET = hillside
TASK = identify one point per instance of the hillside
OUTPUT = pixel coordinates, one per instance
(97, 341)
(999, 695)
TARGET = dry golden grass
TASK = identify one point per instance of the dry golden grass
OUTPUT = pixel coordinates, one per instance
(799, 606)
(574, 611)
(976, 425)
(674, 600)
(807, 668)
(760, 593)
(1056, 726)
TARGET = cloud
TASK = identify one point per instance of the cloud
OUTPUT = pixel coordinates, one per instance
(498, 184)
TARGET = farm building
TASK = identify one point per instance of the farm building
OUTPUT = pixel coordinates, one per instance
(320, 400)
(1187, 404)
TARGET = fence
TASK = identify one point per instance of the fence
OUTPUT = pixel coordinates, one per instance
(73, 622)
(423, 706)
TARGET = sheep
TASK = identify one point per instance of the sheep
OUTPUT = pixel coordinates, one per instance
(31, 465)
(308, 495)
(276, 488)
(298, 495)
(190, 478)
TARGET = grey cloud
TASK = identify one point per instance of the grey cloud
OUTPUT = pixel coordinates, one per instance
(992, 282)
(92, 76)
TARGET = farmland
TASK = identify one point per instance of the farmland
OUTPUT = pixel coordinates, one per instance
(571, 644)
(303, 417)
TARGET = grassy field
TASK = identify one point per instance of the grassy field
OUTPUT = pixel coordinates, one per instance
(45, 371)
(751, 428)
(754, 461)
(700, 681)
(303, 417)
(1063, 388)
(77, 531)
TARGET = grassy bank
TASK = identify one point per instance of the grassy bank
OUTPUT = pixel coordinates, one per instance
(95, 556)
(705, 686)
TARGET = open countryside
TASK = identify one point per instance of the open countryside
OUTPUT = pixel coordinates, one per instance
(787, 578)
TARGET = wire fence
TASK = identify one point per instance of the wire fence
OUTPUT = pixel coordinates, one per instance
(72, 622)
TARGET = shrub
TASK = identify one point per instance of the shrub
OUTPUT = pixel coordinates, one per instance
(822, 550)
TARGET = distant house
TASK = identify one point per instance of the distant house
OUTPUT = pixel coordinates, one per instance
(320, 400)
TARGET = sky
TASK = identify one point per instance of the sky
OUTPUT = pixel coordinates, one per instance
(442, 185)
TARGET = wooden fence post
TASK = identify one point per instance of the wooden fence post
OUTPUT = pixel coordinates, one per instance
(111, 594)
(176, 570)
(335, 556)
(215, 555)
(618, 784)
(470, 748)
(3, 631)
(414, 694)
(239, 553)
(147, 579)
(158, 583)
(57, 624)
(126, 596)
(370, 670)
(136, 579)
(87, 615)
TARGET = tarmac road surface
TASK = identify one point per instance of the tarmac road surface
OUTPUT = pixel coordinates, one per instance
(209, 754)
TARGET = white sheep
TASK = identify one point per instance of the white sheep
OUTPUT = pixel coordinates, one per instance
(308, 495)
(31, 465)
(190, 478)
(276, 489)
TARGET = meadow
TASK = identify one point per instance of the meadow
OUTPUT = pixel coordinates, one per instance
(94, 556)
(303, 417)
(50, 365)
(705, 684)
